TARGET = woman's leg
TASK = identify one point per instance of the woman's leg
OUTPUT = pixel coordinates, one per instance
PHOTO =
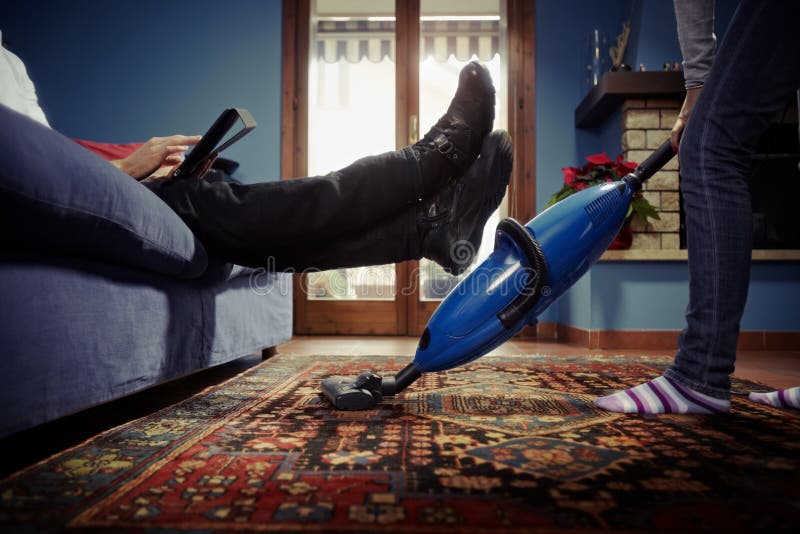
(754, 75)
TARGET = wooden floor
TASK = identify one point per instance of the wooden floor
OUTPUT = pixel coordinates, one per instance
(775, 369)
(778, 369)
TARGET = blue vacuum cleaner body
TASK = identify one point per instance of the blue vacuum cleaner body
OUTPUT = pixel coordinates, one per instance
(531, 266)
(519, 280)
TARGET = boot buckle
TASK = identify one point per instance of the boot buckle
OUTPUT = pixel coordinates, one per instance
(443, 144)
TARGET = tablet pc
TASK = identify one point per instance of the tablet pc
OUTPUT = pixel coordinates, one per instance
(207, 147)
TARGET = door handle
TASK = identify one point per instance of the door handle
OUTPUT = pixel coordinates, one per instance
(413, 129)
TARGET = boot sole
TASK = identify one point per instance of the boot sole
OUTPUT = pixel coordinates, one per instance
(495, 163)
(501, 154)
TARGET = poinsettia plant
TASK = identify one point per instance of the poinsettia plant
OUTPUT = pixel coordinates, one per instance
(600, 169)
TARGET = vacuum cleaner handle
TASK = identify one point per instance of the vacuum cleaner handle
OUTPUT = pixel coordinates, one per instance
(651, 165)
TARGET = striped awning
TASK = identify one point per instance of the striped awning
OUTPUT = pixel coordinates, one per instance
(354, 40)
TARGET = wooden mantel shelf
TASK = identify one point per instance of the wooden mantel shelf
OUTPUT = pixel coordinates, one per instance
(681, 255)
(614, 87)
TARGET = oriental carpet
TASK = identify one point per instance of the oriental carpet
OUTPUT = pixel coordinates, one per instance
(506, 444)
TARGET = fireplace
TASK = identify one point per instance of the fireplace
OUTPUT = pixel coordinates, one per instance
(650, 103)
(775, 186)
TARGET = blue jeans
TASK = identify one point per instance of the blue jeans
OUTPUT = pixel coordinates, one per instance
(755, 74)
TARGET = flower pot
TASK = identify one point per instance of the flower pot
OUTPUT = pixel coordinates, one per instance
(624, 238)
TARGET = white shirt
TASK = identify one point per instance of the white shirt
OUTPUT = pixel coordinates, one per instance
(16, 88)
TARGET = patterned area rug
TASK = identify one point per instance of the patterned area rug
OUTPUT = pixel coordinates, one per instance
(507, 444)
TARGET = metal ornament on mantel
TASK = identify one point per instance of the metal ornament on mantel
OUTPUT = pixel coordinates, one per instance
(617, 53)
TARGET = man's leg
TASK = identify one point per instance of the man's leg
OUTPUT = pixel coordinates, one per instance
(756, 70)
(245, 223)
(438, 228)
(391, 240)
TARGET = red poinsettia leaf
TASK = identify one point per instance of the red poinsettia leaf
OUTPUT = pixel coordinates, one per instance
(626, 167)
(599, 159)
(569, 174)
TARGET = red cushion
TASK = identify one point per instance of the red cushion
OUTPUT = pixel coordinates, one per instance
(109, 151)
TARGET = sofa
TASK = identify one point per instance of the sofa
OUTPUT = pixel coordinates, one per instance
(104, 291)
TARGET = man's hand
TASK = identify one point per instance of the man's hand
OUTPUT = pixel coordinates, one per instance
(683, 116)
(158, 157)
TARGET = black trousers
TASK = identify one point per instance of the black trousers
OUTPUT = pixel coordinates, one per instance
(364, 214)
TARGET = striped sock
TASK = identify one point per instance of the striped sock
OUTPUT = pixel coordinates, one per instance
(662, 395)
(784, 398)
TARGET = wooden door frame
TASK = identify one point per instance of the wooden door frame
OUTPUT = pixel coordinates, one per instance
(411, 314)
(294, 115)
(406, 106)
(522, 107)
(408, 38)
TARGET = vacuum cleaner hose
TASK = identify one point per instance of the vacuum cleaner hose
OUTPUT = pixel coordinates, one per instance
(394, 385)
(530, 294)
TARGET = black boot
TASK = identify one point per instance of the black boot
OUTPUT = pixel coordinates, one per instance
(451, 223)
(450, 147)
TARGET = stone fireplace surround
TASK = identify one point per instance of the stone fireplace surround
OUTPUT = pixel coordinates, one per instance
(646, 123)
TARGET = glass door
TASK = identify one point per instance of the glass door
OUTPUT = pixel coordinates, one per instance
(390, 68)
(451, 35)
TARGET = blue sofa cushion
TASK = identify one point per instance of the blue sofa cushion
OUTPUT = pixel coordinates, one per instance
(57, 196)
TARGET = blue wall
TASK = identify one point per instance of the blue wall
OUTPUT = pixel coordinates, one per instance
(128, 70)
(626, 295)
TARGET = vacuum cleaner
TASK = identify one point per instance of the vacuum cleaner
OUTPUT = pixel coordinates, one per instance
(531, 266)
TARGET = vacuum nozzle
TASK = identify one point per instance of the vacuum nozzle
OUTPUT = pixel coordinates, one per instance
(360, 393)
(366, 390)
